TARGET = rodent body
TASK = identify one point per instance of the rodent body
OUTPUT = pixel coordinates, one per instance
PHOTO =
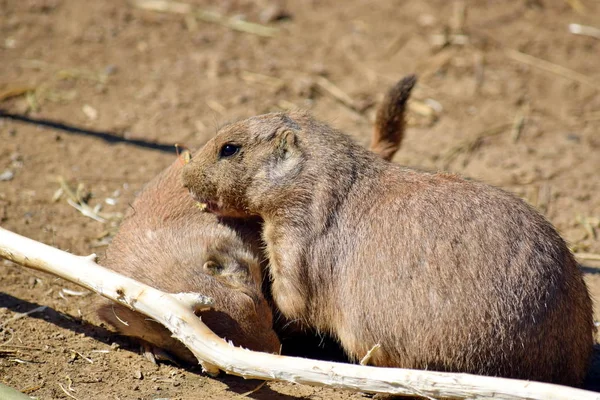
(167, 242)
(445, 274)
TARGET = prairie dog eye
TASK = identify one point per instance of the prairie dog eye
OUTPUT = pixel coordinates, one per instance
(228, 150)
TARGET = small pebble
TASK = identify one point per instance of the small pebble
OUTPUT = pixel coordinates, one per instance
(33, 281)
(110, 69)
(10, 43)
(138, 374)
(90, 112)
(426, 20)
(7, 175)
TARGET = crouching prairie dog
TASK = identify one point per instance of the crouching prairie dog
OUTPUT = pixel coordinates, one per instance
(165, 241)
(168, 243)
(443, 273)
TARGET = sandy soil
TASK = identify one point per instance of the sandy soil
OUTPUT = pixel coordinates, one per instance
(88, 89)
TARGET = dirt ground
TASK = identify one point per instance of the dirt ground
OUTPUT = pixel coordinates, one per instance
(507, 95)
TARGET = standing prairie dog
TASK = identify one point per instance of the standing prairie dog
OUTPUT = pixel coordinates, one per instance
(167, 242)
(443, 273)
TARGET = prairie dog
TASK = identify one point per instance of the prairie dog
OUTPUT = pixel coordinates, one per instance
(445, 274)
(168, 243)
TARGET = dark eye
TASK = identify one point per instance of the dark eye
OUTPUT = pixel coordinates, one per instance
(228, 150)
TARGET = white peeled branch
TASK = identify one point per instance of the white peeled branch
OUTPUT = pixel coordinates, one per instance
(176, 312)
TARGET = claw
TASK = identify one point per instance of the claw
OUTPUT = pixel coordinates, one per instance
(155, 354)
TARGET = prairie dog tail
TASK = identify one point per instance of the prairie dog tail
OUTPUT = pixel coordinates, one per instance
(388, 130)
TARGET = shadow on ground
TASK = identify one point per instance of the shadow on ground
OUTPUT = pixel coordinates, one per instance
(315, 346)
(109, 137)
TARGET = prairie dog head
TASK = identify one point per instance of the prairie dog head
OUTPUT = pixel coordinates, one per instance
(246, 163)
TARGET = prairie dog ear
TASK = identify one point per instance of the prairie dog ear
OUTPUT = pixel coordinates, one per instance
(212, 268)
(237, 276)
(288, 157)
(286, 142)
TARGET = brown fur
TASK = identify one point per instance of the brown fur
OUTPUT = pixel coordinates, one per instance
(446, 274)
(165, 240)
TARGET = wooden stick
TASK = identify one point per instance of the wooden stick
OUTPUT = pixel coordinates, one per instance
(175, 7)
(175, 312)
(587, 256)
(584, 30)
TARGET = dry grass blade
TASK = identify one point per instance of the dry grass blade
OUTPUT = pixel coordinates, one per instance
(32, 101)
(31, 389)
(331, 89)
(587, 256)
(74, 292)
(427, 111)
(469, 145)
(22, 315)
(544, 197)
(551, 67)
(519, 124)
(577, 5)
(589, 224)
(479, 70)
(15, 92)
(287, 105)
(87, 211)
(434, 64)
(175, 7)
(19, 361)
(459, 17)
(395, 46)
(163, 6)
(253, 77)
(256, 389)
(365, 360)
(22, 347)
(66, 392)
(83, 74)
(76, 199)
(216, 107)
(517, 128)
(78, 354)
